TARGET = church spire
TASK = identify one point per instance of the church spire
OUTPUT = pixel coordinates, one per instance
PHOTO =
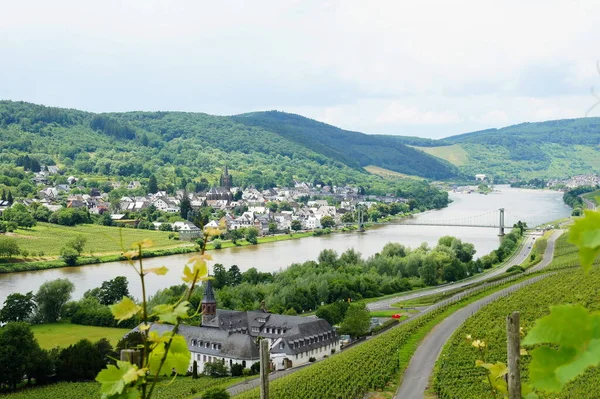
(209, 303)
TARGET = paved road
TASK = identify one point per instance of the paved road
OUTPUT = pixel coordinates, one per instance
(516, 260)
(416, 376)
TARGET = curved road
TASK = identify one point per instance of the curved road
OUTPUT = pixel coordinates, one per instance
(416, 376)
(516, 260)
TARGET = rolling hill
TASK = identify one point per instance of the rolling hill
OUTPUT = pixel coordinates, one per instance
(552, 149)
(262, 149)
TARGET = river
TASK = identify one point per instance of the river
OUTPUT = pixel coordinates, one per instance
(533, 206)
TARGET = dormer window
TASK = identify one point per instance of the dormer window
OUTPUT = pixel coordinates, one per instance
(281, 345)
(255, 329)
(262, 320)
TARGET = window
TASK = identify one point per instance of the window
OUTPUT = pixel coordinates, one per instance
(206, 344)
(281, 345)
(255, 329)
(262, 320)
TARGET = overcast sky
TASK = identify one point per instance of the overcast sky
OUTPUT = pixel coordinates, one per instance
(426, 68)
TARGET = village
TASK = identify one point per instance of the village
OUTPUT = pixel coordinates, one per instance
(277, 209)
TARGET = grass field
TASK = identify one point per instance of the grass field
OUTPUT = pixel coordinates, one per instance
(454, 154)
(376, 170)
(388, 313)
(594, 196)
(65, 334)
(50, 238)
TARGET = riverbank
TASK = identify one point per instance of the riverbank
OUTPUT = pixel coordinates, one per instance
(56, 262)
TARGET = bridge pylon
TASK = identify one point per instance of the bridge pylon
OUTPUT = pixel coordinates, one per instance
(501, 232)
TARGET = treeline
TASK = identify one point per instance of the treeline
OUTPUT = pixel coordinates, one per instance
(334, 277)
(532, 183)
(176, 146)
(574, 200)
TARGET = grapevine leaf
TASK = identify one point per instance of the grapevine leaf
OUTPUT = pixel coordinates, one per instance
(496, 372)
(577, 335)
(158, 270)
(178, 358)
(169, 314)
(198, 271)
(125, 309)
(188, 276)
(585, 234)
(527, 391)
(544, 363)
(115, 379)
(569, 325)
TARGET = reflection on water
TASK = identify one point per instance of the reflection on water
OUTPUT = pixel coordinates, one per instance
(535, 207)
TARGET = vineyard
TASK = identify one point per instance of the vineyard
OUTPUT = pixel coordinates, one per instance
(373, 364)
(457, 377)
(181, 388)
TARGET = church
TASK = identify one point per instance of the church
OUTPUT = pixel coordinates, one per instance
(223, 192)
(233, 336)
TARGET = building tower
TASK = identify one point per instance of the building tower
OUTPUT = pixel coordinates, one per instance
(209, 303)
(225, 181)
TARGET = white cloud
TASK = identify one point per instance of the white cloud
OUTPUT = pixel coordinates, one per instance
(399, 114)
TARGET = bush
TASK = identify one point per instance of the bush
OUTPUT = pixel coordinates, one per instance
(237, 370)
(515, 268)
(69, 255)
(215, 393)
(217, 244)
(255, 368)
(312, 360)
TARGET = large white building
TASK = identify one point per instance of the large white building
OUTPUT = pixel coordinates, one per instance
(233, 336)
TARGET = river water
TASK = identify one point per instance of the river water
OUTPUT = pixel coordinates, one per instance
(533, 206)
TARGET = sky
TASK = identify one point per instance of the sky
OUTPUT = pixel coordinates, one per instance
(420, 68)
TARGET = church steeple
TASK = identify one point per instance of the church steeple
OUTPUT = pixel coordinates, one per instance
(209, 303)
(225, 180)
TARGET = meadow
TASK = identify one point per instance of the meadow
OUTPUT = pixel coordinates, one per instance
(65, 334)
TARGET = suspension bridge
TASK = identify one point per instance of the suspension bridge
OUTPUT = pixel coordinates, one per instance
(494, 219)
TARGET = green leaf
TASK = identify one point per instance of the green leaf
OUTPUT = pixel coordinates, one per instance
(565, 325)
(169, 314)
(585, 234)
(178, 358)
(125, 309)
(115, 379)
(576, 333)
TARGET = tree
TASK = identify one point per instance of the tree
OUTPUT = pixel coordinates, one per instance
(221, 277)
(77, 243)
(328, 257)
(18, 350)
(234, 276)
(69, 255)
(195, 370)
(296, 225)
(17, 307)
(327, 221)
(357, 321)
(51, 297)
(348, 217)
(428, 272)
(152, 185)
(9, 197)
(185, 207)
(113, 290)
(83, 360)
(19, 214)
(272, 227)
(272, 206)
(251, 235)
(334, 313)
(235, 235)
(216, 368)
(9, 247)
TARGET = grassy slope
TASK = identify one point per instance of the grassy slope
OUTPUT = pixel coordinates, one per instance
(594, 196)
(454, 154)
(65, 334)
(50, 238)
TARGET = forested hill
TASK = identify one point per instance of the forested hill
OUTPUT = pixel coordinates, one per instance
(552, 149)
(352, 148)
(189, 147)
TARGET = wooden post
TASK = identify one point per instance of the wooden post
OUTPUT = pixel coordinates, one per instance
(264, 369)
(132, 356)
(514, 355)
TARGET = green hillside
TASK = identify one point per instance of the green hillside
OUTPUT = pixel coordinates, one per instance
(351, 148)
(262, 149)
(553, 149)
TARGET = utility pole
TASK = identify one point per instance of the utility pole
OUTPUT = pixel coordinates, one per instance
(501, 232)
(264, 369)
(513, 340)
